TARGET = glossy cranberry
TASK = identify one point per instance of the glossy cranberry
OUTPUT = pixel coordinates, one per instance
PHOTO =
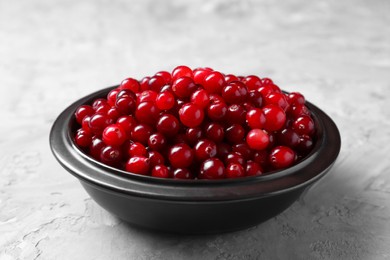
(205, 149)
(298, 110)
(182, 173)
(234, 157)
(234, 93)
(156, 83)
(267, 81)
(214, 132)
(161, 171)
(235, 133)
(223, 149)
(181, 156)
(111, 155)
(255, 98)
(215, 98)
(147, 96)
(125, 93)
(157, 141)
(281, 157)
(243, 149)
(141, 133)
(234, 170)
(212, 168)
(230, 78)
(131, 84)
(235, 114)
(126, 105)
(83, 111)
(255, 118)
(214, 82)
(111, 96)
(275, 117)
(287, 137)
(295, 98)
(200, 74)
(83, 138)
(138, 165)
(85, 124)
(193, 135)
(217, 111)
(183, 87)
(305, 144)
(257, 139)
(265, 90)
(253, 169)
(127, 123)
(303, 125)
(261, 157)
(98, 122)
(156, 158)
(168, 125)
(147, 113)
(99, 102)
(166, 75)
(191, 115)
(137, 149)
(144, 83)
(200, 98)
(96, 148)
(179, 138)
(252, 82)
(102, 109)
(278, 99)
(113, 113)
(165, 100)
(181, 71)
(114, 135)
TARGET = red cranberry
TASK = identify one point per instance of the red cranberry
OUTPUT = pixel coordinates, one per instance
(230, 78)
(111, 155)
(113, 113)
(156, 83)
(183, 87)
(168, 125)
(85, 124)
(98, 122)
(161, 171)
(193, 135)
(234, 92)
(157, 141)
(295, 98)
(200, 74)
(217, 111)
(147, 96)
(214, 82)
(298, 110)
(278, 99)
(182, 173)
(111, 96)
(304, 125)
(155, 158)
(243, 149)
(223, 149)
(235, 170)
(236, 114)
(191, 115)
(114, 135)
(137, 149)
(144, 83)
(200, 98)
(255, 98)
(281, 157)
(102, 109)
(252, 82)
(165, 100)
(253, 169)
(235, 133)
(212, 168)
(147, 113)
(131, 84)
(181, 156)
(205, 149)
(182, 71)
(96, 148)
(138, 165)
(236, 158)
(255, 118)
(257, 139)
(127, 123)
(305, 144)
(287, 137)
(261, 157)
(82, 112)
(275, 117)
(83, 138)
(99, 102)
(141, 133)
(214, 132)
(166, 75)
(126, 105)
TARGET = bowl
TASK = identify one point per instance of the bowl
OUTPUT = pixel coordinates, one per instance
(193, 206)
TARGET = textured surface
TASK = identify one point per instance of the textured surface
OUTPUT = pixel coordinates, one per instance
(335, 52)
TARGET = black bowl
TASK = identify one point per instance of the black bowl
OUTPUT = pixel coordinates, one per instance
(193, 206)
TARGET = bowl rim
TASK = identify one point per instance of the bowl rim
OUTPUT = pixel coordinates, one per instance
(85, 168)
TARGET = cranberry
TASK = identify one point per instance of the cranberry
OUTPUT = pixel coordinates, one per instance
(161, 171)
(138, 165)
(98, 122)
(157, 141)
(165, 100)
(126, 105)
(252, 82)
(137, 149)
(200, 74)
(166, 75)
(111, 155)
(96, 147)
(295, 98)
(131, 84)
(278, 99)
(298, 110)
(193, 135)
(205, 149)
(255, 98)
(102, 109)
(155, 158)
(200, 98)
(85, 124)
(82, 112)
(234, 158)
(214, 132)
(114, 135)
(304, 125)
(147, 113)
(253, 169)
(217, 111)
(141, 133)
(214, 82)
(113, 113)
(144, 83)
(305, 144)
(111, 96)
(99, 102)
(275, 117)
(243, 149)
(191, 115)
(235, 170)
(182, 71)
(223, 149)
(257, 139)
(181, 156)
(168, 125)
(236, 114)
(287, 137)
(230, 78)
(156, 83)
(127, 123)
(235, 133)
(183, 87)
(147, 96)
(212, 168)
(182, 173)
(281, 157)
(261, 157)
(234, 92)
(83, 138)
(255, 118)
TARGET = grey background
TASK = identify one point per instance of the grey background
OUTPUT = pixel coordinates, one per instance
(335, 52)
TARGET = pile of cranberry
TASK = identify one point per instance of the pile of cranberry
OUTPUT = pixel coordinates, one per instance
(196, 124)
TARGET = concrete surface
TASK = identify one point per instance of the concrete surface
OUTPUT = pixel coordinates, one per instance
(335, 52)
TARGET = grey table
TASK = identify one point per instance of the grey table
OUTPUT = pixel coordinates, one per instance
(335, 52)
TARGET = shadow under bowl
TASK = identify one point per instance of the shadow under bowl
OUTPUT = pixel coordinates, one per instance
(193, 206)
